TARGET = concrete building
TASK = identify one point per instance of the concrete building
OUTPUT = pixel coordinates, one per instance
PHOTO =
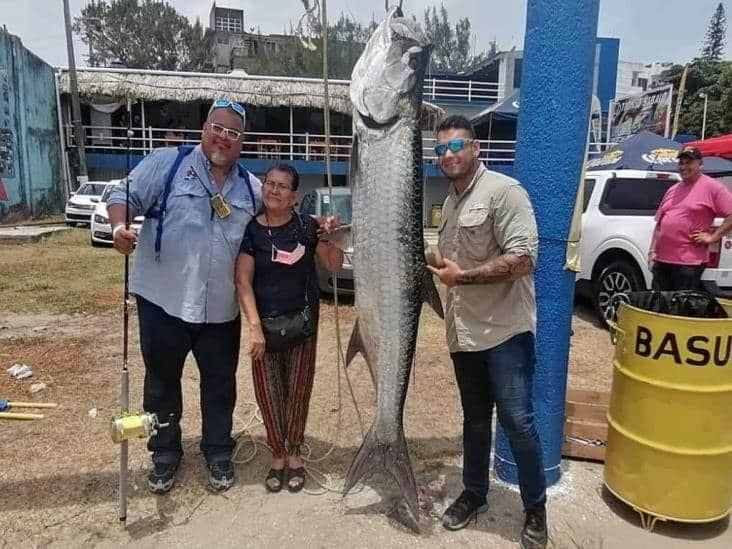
(233, 45)
(634, 77)
(505, 68)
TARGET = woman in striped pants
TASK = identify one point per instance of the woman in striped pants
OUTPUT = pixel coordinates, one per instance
(275, 278)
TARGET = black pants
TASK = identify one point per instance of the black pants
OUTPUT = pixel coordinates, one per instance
(668, 277)
(165, 342)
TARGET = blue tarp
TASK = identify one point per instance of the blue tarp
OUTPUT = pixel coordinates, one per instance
(505, 110)
(649, 151)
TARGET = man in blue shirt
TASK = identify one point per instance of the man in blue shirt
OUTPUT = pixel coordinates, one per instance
(183, 279)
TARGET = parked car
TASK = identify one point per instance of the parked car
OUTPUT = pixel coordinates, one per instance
(617, 225)
(81, 203)
(100, 228)
(318, 203)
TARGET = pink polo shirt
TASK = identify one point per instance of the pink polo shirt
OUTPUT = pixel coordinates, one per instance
(685, 208)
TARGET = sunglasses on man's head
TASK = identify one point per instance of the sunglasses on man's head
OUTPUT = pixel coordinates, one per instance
(223, 131)
(454, 146)
(226, 104)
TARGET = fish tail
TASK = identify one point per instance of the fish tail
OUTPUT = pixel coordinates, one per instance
(394, 458)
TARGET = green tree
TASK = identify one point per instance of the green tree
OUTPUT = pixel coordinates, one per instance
(346, 40)
(713, 48)
(144, 34)
(712, 78)
(450, 47)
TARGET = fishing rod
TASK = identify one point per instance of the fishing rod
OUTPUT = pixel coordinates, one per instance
(125, 376)
(128, 425)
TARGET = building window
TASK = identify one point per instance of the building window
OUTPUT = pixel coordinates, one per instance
(230, 24)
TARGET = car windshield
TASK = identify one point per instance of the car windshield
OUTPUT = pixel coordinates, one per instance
(91, 189)
(341, 207)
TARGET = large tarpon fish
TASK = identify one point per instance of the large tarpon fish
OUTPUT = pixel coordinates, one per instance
(390, 273)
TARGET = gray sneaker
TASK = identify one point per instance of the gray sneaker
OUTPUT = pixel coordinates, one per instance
(161, 477)
(221, 475)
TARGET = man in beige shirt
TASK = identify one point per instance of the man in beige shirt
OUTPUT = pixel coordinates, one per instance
(487, 246)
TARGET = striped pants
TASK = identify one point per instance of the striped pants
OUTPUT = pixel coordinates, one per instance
(282, 385)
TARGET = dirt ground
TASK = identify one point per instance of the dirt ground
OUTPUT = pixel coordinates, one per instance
(58, 480)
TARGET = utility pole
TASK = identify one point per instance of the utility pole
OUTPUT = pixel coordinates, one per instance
(704, 119)
(75, 107)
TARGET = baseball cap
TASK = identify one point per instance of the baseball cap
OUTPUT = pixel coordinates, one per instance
(689, 152)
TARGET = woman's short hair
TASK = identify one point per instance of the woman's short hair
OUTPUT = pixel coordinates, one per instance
(286, 168)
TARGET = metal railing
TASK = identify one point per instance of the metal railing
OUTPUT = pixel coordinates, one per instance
(436, 89)
(277, 145)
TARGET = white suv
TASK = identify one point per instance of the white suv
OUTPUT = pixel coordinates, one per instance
(617, 226)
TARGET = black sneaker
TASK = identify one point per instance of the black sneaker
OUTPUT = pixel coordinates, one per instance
(161, 477)
(463, 509)
(534, 534)
(221, 475)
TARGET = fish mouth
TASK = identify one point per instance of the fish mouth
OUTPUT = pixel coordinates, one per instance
(386, 74)
(372, 124)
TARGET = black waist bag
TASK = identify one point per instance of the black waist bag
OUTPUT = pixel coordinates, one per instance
(285, 331)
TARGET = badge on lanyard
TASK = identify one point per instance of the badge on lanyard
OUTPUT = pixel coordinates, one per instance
(220, 206)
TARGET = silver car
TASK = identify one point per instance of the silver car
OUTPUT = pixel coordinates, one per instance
(317, 203)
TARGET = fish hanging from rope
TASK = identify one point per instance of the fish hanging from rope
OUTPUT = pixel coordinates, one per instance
(390, 272)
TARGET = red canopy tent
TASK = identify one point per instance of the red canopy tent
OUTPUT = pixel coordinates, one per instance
(715, 146)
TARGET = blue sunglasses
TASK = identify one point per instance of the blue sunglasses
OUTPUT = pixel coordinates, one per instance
(454, 146)
(226, 104)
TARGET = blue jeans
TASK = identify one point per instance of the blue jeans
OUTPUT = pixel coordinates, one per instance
(501, 376)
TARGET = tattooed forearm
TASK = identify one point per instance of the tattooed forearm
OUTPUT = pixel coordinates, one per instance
(505, 268)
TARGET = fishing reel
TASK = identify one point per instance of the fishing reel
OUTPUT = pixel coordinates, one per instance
(135, 425)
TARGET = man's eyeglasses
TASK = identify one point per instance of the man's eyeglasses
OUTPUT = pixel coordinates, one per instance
(226, 104)
(276, 185)
(454, 146)
(223, 131)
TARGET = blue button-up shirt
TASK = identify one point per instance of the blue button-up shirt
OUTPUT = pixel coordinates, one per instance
(193, 278)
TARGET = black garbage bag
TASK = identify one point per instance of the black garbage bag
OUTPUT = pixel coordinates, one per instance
(687, 303)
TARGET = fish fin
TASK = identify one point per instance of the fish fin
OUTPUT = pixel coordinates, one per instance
(430, 295)
(355, 346)
(394, 458)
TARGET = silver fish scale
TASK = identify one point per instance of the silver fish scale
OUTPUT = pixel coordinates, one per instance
(388, 261)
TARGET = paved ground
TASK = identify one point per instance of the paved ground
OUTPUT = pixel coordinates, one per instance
(26, 234)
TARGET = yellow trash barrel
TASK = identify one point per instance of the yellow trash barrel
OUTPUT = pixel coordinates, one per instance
(726, 305)
(435, 215)
(669, 447)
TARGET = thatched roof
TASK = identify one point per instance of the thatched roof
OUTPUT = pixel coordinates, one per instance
(265, 91)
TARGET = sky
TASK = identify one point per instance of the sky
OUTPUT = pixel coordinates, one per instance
(649, 30)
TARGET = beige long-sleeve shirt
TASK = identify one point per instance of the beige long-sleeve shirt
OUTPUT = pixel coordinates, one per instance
(492, 217)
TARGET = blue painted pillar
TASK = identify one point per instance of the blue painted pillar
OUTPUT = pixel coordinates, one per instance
(556, 88)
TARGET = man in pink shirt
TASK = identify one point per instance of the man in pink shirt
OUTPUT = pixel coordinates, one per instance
(684, 225)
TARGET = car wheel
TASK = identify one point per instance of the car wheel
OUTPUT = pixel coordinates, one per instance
(618, 277)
